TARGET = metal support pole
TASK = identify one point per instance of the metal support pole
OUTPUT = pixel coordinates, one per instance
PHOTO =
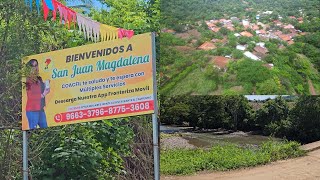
(25, 156)
(155, 125)
(156, 154)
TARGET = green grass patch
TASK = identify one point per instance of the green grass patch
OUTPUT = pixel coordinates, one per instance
(225, 157)
(195, 82)
(174, 81)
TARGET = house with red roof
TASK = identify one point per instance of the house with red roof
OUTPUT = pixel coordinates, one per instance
(285, 37)
(207, 46)
(246, 33)
(255, 27)
(289, 26)
(215, 29)
(220, 62)
(260, 51)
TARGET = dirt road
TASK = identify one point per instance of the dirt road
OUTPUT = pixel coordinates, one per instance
(307, 167)
(312, 90)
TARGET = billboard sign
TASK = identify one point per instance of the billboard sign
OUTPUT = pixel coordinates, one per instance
(87, 83)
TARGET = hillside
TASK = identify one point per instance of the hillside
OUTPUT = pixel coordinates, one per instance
(250, 50)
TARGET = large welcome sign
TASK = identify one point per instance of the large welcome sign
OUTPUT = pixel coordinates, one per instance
(87, 83)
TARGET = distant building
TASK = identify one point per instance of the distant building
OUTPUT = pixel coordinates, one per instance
(269, 66)
(284, 37)
(246, 33)
(289, 26)
(241, 47)
(260, 51)
(261, 44)
(221, 62)
(235, 19)
(261, 32)
(237, 35)
(207, 46)
(245, 23)
(255, 27)
(215, 29)
(251, 56)
(290, 42)
(267, 12)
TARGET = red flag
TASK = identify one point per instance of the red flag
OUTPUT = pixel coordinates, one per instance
(45, 10)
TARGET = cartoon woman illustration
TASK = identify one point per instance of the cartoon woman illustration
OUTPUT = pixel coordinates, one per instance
(36, 92)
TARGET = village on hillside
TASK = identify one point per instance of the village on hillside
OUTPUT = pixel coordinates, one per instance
(246, 30)
(240, 53)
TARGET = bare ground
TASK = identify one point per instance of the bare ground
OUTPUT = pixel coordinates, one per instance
(302, 168)
(312, 90)
(194, 33)
(175, 142)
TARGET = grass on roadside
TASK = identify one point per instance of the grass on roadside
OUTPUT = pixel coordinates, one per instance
(225, 157)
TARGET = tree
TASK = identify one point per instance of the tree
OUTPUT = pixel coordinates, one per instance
(224, 31)
(305, 119)
(244, 40)
(252, 72)
(179, 113)
(141, 16)
(270, 86)
(238, 108)
(273, 111)
(57, 152)
(237, 54)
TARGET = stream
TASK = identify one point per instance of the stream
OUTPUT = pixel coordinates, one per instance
(208, 139)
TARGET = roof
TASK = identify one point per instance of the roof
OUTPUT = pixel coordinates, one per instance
(230, 28)
(251, 56)
(219, 40)
(216, 29)
(269, 66)
(277, 33)
(262, 44)
(262, 31)
(220, 61)
(285, 37)
(241, 47)
(237, 34)
(255, 27)
(246, 33)
(211, 25)
(207, 46)
(289, 26)
(290, 42)
(260, 49)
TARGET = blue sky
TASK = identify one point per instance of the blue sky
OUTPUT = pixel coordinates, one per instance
(96, 4)
(261, 97)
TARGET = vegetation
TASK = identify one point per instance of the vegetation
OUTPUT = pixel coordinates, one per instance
(297, 120)
(225, 157)
(97, 150)
(295, 67)
(177, 13)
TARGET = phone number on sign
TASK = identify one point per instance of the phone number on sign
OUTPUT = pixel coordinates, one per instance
(104, 111)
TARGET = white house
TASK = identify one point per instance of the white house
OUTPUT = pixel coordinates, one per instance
(241, 47)
(267, 12)
(251, 56)
(261, 44)
(237, 34)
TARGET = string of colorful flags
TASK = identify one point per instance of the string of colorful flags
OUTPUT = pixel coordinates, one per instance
(92, 30)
